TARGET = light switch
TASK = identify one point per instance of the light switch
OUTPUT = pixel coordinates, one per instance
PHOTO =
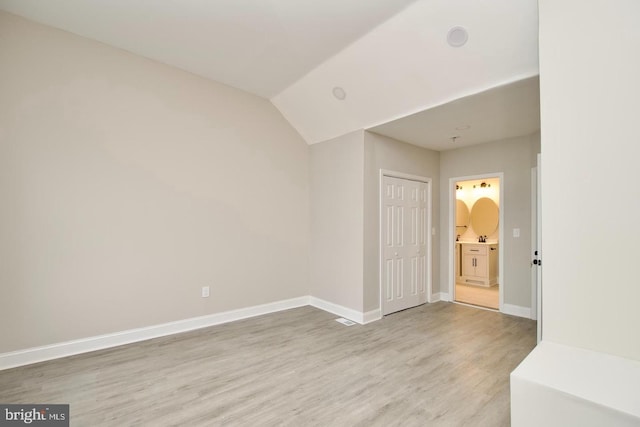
(433, 231)
(516, 232)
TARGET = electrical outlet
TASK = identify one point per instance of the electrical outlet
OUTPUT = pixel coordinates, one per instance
(205, 292)
(516, 232)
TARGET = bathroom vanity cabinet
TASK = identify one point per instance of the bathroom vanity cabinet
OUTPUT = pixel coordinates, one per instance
(479, 264)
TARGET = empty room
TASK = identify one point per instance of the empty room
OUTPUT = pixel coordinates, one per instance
(337, 213)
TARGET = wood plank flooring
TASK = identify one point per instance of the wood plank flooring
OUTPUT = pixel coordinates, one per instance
(478, 295)
(438, 364)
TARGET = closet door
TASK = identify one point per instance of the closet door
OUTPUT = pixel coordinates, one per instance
(404, 240)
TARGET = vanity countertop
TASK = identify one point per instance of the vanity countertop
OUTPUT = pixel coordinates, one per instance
(478, 243)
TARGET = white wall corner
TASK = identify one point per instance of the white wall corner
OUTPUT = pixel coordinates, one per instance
(54, 351)
(516, 310)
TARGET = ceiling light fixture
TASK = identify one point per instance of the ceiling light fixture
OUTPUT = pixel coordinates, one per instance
(483, 185)
(339, 93)
(454, 138)
(457, 36)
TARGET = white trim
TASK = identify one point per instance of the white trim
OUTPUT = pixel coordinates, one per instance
(371, 316)
(516, 310)
(439, 296)
(452, 233)
(476, 306)
(533, 274)
(84, 345)
(429, 182)
(402, 175)
(339, 310)
(538, 238)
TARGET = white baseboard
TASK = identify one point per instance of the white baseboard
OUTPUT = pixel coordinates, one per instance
(516, 310)
(439, 296)
(69, 348)
(371, 316)
(339, 310)
(347, 313)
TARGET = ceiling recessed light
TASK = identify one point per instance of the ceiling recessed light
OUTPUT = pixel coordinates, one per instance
(339, 93)
(457, 36)
(463, 127)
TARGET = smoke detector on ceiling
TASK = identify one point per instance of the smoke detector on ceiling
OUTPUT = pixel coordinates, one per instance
(457, 36)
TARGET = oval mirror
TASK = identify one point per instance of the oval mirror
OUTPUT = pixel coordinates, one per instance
(484, 216)
(462, 217)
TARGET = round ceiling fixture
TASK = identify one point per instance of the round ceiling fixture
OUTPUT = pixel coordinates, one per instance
(339, 93)
(457, 36)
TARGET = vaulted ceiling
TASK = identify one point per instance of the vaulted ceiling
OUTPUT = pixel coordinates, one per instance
(260, 46)
(391, 57)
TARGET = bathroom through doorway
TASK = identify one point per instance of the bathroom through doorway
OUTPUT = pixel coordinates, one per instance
(477, 213)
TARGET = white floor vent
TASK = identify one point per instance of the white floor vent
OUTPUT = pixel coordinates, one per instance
(345, 322)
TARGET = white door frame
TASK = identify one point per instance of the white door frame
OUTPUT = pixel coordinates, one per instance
(538, 239)
(452, 232)
(534, 242)
(429, 229)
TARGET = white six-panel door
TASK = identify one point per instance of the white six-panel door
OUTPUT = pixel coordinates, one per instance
(404, 241)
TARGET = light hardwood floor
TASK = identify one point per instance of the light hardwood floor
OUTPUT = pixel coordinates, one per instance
(438, 364)
(478, 295)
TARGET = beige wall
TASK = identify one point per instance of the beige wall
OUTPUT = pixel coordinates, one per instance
(345, 213)
(382, 152)
(126, 185)
(336, 256)
(512, 157)
(590, 99)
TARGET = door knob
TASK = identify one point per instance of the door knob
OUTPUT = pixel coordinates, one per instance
(396, 253)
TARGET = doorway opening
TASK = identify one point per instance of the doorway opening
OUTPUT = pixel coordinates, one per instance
(476, 232)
